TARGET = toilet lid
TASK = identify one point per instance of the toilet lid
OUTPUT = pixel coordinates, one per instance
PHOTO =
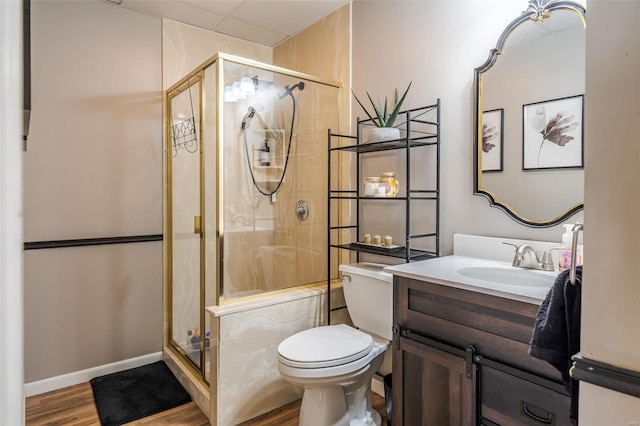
(324, 347)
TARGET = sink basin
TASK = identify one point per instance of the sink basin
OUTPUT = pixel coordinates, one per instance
(514, 276)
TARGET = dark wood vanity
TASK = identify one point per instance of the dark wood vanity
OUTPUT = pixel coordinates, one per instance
(460, 358)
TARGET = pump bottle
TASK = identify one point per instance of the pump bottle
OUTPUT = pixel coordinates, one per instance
(564, 257)
(265, 154)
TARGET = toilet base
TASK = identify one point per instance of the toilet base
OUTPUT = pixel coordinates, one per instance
(338, 406)
(324, 406)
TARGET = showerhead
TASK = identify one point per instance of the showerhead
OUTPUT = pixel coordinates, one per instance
(288, 90)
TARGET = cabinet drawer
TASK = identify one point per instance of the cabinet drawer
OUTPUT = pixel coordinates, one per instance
(510, 400)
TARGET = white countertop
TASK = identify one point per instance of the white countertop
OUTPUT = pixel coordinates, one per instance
(445, 271)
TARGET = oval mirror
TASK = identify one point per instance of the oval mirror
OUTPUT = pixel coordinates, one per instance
(528, 120)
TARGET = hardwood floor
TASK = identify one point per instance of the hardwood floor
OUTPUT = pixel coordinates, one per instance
(288, 415)
(75, 406)
(68, 406)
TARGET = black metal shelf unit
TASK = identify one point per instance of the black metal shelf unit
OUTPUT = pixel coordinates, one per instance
(419, 128)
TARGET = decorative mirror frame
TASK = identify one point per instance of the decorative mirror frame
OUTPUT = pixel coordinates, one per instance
(538, 10)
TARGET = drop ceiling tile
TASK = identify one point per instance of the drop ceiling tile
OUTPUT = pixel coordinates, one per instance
(246, 31)
(178, 11)
(288, 17)
(223, 7)
(266, 22)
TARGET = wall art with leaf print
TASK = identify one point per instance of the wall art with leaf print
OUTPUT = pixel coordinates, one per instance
(553, 134)
(492, 140)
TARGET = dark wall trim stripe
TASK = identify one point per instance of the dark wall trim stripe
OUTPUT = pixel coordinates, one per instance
(606, 375)
(37, 245)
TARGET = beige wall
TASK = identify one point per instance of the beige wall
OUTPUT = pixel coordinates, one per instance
(612, 294)
(611, 290)
(93, 169)
(437, 45)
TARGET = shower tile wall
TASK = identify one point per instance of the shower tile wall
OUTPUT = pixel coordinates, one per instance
(267, 247)
(306, 181)
(322, 50)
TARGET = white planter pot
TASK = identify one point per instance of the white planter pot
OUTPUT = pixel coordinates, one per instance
(378, 134)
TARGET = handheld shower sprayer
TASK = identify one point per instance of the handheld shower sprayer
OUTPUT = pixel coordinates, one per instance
(251, 112)
(246, 122)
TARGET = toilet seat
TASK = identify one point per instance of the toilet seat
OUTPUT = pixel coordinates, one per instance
(324, 347)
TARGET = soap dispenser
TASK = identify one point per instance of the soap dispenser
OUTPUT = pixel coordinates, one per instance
(564, 257)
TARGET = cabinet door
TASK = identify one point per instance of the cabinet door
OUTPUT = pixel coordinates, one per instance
(431, 388)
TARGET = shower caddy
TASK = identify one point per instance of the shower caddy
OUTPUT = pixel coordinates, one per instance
(419, 130)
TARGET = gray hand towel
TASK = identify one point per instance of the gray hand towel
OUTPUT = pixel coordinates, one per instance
(556, 334)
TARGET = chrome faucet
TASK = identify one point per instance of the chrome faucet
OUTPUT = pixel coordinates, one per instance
(526, 257)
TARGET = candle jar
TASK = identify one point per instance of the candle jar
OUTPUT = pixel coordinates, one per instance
(371, 185)
(390, 183)
(377, 240)
(367, 238)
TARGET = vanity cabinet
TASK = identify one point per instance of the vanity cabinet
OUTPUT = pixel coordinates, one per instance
(460, 358)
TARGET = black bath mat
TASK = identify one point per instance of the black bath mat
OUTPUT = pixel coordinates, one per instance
(136, 393)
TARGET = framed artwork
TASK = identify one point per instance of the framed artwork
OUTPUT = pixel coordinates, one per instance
(553, 134)
(492, 140)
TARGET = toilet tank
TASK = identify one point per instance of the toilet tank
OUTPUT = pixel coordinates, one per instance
(368, 292)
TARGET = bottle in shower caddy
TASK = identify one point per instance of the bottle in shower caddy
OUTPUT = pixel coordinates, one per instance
(564, 254)
(265, 154)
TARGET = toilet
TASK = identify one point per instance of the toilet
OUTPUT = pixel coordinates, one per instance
(335, 364)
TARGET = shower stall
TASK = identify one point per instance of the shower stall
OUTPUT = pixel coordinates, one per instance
(246, 191)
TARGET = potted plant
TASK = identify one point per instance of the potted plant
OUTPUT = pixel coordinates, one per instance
(384, 119)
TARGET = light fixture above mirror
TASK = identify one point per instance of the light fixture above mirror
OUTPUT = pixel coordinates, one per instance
(528, 118)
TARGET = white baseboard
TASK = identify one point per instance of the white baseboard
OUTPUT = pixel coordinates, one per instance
(77, 377)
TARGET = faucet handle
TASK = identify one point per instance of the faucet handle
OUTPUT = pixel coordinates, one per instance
(518, 256)
(547, 261)
(511, 244)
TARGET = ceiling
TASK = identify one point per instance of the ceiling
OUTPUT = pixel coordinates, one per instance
(265, 22)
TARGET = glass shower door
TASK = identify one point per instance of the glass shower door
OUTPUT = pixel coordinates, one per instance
(185, 221)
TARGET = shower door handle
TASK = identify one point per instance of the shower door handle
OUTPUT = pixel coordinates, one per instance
(197, 228)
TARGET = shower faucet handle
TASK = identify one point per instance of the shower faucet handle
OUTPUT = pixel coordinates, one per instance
(302, 210)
